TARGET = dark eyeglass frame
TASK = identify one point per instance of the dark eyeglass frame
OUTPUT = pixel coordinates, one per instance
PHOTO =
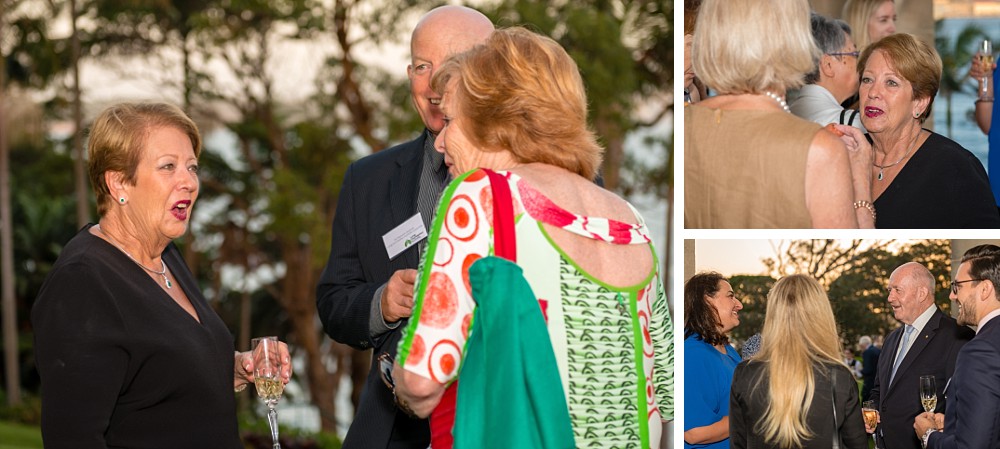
(956, 284)
(846, 53)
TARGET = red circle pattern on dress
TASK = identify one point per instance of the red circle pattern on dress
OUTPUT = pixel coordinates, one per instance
(417, 351)
(443, 360)
(469, 260)
(440, 303)
(461, 219)
(444, 253)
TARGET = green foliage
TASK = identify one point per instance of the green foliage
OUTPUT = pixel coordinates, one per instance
(752, 292)
(856, 274)
(256, 434)
(19, 436)
(30, 57)
(28, 412)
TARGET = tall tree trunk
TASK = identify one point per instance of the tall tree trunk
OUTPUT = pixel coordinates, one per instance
(299, 300)
(82, 204)
(7, 304)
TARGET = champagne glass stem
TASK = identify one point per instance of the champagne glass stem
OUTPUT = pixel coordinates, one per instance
(272, 420)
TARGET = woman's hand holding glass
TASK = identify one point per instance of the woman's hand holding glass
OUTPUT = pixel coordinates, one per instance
(268, 366)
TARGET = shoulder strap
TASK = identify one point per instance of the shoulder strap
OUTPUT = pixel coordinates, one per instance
(504, 240)
(848, 121)
(833, 395)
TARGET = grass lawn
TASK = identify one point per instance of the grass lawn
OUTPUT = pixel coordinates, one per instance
(19, 436)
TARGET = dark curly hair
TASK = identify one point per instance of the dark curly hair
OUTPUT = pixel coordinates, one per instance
(699, 316)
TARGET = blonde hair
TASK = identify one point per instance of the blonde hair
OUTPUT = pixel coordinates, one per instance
(914, 60)
(118, 138)
(521, 92)
(857, 13)
(795, 303)
(750, 46)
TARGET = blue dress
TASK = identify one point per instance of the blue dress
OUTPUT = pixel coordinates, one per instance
(708, 375)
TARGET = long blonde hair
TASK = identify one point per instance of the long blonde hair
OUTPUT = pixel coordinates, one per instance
(795, 304)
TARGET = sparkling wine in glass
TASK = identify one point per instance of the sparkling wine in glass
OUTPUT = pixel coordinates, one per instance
(986, 62)
(870, 413)
(267, 379)
(928, 393)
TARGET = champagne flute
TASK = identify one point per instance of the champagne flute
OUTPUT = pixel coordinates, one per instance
(928, 393)
(267, 379)
(986, 62)
(870, 414)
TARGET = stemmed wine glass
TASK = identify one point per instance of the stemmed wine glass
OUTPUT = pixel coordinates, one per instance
(928, 393)
(986, 61)
(267, 379)
(870, 414)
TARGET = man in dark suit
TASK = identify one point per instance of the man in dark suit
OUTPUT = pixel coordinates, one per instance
(365, 293)
(972, 419)
(927, 344)
(869, 365)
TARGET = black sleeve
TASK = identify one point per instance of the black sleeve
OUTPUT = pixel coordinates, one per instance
(973, 195)
(738, 407)
(344, 295)
(852, 429)
(79, 355)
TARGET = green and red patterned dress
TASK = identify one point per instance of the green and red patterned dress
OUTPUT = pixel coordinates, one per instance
(613, 344)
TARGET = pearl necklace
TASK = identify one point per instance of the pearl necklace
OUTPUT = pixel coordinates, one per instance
(163, 267)
(781, 101)
(881, 168)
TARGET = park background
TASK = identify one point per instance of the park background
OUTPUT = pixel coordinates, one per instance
(287, 93)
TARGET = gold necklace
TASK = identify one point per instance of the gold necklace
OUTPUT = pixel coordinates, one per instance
(881, 168)
(163, 267)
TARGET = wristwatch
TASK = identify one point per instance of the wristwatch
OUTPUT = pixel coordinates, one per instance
(926, 437)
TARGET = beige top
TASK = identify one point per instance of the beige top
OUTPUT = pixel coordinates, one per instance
(745, 168)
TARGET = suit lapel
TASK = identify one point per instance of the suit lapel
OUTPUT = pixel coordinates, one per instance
(404, 188)
(919, 343)
(889, 353)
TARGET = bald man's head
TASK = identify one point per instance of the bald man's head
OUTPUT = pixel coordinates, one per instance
(442, 32)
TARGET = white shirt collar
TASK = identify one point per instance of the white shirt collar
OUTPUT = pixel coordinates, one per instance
(922, 320)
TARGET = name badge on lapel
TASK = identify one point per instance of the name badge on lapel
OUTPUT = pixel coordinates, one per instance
(407, 234)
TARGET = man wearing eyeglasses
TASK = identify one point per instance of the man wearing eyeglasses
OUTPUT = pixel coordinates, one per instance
(927, 344)
(833, 80)
(972, 419)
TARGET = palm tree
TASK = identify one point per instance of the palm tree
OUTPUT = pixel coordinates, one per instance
(955, 57)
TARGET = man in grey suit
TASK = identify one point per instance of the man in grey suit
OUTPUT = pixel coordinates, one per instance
(972, 419)
(927, 344)
(365, 293)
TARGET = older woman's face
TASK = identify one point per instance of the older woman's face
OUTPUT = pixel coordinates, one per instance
(728, 307)
(887, 101)
(166, 184)
(460, 155)
(882, 21)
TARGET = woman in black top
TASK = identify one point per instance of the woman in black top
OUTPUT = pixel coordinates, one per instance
(130, 353)
(813, 399)
(919, 179)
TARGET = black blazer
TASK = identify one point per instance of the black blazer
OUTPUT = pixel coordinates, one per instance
(933, 352)
(869, 368)
(749, 398)
(379, 193)
(973, 416)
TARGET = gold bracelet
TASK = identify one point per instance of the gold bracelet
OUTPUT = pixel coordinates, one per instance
(867, 205)
(240, 388)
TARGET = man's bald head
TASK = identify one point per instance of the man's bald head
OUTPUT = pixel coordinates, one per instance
(442, 32)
